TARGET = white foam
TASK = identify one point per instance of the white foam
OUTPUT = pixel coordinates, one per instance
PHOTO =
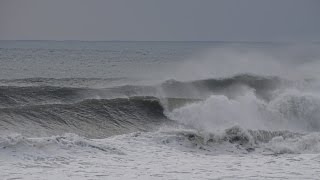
(309, 143)
(290, 110)
(144, 157)
(219, 112)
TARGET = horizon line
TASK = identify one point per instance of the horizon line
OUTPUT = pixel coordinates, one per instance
(208, 41)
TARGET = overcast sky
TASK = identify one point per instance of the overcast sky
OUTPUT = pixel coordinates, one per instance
(181, 20)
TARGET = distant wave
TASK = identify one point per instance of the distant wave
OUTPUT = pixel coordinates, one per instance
(230, 86)
(60, 82)
(35, 91)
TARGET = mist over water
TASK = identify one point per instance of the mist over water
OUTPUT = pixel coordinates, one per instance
(290, 61)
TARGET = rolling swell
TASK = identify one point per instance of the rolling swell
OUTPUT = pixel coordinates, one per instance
(91, 118)
(37, 94)
(11, 96)
(14, 96)
(231, 87)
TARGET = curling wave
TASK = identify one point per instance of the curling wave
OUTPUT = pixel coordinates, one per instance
(90, 118)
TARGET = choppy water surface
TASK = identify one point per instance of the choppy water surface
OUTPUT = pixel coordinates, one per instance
(159, 110)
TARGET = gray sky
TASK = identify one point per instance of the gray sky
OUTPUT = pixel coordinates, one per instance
(182, 20)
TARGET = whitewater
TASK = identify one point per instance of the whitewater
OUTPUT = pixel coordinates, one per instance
(159, 110)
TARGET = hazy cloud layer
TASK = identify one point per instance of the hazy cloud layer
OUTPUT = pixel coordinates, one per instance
(231, 20)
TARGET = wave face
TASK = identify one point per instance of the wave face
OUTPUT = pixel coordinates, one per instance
(12, 96)
(90, 118)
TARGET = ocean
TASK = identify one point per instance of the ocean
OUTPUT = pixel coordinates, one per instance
(159, 110)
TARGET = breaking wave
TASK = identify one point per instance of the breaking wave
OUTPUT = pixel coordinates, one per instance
(289, 110)
(245, 112)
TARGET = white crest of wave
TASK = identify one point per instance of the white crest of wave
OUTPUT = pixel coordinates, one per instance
(298, 110)
(289, 110)
(220, 112)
